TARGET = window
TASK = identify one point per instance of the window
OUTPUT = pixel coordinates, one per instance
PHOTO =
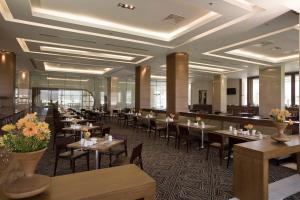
(75, 99)
(288, 90)
(255, 91)
(158, 94)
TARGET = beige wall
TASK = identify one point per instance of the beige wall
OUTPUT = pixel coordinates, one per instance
(233, 99)
(271, 89)
(201, 84)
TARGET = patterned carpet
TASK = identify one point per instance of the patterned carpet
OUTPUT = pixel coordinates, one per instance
(179, 175)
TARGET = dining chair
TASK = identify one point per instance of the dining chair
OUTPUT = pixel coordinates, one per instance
(156, 128)
(184, 134)
(62, 152)
(135, 158)
(232, 141)
(172, 132)
(59, 132)
(215, 141)
(115, 151)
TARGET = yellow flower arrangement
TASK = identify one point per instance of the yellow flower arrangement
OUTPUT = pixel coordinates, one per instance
(248, 126)
(279, 115)
(27, 135)
(8, 127)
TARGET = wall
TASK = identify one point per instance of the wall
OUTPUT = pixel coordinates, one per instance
(201, 84)
(233, 99)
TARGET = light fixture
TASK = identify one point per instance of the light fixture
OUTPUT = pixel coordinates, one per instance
(86, 53)
(23, 75)
(124, 5)
(258, 56)
(60, 68)
(67, 79)
(158, 77)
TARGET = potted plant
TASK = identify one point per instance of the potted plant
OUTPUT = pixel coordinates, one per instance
(279, 119)
(27, 140)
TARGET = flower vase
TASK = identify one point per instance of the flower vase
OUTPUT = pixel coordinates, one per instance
(280, 136)
(30, 184)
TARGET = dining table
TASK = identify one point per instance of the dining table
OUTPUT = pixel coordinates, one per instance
(100, 145)
(198, 127)
(240, 135)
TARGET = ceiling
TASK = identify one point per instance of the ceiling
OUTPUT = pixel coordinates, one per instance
(100, 35)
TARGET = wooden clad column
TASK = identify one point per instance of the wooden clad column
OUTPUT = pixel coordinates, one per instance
(7, 81)
(177, 82)
(219, 103)
(142, 87)
(271, 89)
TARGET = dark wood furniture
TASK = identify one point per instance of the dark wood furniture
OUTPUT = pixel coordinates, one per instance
(135, 158)
(70, 155)
(154, 127)
(216, 141)
(251, 166)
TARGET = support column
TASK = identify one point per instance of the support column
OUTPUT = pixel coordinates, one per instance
(142, 87)
(271, 89)
(219, 103)
(112, 93)
(7, 81)
(177, 82)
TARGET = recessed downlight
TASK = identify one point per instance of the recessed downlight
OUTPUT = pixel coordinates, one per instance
(127, 6)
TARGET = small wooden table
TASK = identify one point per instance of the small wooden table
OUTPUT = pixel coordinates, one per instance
(102, 145)
(126, 182)
(251, 165)
(198, 127)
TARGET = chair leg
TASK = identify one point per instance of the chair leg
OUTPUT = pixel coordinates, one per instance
(221, 156)
(99, 160)
(110, 158)
(207, 152)
(187, 145)
(228, 157)
(73, 166)
(54, 141)
(88, 161)
(55, 166)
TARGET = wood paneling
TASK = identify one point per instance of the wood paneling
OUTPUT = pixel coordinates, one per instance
(177, 82)
(7, 81)
(142, 87)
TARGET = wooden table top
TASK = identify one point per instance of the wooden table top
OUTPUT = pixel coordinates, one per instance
(206, 127)
(125, 182)
(269, 148)
(228, 133)
(102, 145)
(81, 127)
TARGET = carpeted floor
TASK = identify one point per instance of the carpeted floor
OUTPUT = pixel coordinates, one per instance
(179, 175)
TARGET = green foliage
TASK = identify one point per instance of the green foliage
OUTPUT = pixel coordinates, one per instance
(21, 144)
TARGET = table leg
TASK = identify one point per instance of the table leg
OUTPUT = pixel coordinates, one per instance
(298, 162)
(202, 139)
(97, 158)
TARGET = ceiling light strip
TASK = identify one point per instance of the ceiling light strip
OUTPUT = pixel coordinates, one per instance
(85, 53)
(67, 79)
(223, 26)
(6, 13)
